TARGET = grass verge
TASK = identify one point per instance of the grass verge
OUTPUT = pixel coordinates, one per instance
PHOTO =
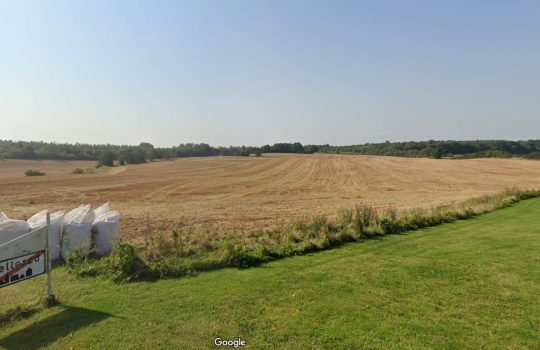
(185, 252)
(471, 284)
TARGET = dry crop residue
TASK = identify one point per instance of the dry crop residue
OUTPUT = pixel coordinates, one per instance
(253, 193)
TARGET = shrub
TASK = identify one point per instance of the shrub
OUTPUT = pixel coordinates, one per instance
(236, 255)
(78, 171)
(133, 155)
(106, 158)
(534, 155)
(124, 264)
(485, 154)
(31, 172)
(365, 219)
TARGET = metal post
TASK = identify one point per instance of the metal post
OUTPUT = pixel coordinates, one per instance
(50, 297)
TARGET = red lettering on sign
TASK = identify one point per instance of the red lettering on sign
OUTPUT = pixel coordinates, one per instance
(21, 266)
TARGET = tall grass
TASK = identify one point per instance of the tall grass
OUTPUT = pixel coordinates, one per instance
(185, 251)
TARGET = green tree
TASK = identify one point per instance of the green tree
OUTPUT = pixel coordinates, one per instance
(148, 149)
(28, 152)
(297, 148)
(106, 158)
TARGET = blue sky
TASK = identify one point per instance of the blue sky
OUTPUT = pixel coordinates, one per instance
(256, 72)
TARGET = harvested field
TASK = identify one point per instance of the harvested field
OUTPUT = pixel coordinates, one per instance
(253, 193)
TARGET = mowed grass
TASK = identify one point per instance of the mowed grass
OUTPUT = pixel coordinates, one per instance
(470, 284)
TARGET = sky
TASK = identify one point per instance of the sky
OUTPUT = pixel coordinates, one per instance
(257, 72)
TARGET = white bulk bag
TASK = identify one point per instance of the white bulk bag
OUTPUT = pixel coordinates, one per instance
(106, 230)
(55, 230)
(11, 229)
(81, 215)
(105, 208)
(77, 232)
(76, 237)
(3, 217)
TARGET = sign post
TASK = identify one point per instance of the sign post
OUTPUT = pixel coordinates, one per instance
(50, 296)
(27, 256)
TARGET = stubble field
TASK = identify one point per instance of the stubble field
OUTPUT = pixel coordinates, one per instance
(253, 193)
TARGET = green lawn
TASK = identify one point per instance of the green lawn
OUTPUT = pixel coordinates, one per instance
(471, 284)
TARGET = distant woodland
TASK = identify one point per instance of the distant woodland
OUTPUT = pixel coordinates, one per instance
(122, 154)
(443, 149)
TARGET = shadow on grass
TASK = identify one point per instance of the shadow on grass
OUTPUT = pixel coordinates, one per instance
(17, 313)
(47, 331)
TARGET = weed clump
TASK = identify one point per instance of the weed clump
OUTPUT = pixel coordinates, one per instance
(31, 172)
(124, 264)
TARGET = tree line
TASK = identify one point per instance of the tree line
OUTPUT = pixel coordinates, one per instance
(443, 149)
(108, 154)
(123, 154)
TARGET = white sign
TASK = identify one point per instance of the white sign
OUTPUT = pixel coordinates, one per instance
(24, 257)
(22, 268)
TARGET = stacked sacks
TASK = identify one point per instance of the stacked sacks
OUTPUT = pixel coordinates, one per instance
(11, 229)
(74, 231)
(105, 229)
(77, 231)
(55, 230)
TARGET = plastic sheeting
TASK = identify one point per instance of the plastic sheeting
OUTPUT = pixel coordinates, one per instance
(73, 231)
(55, 230)
(81, 215)
(103, 209)
(3, 217)
(27, 243)
(76, 237)
(106, 228)
(11, 229)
